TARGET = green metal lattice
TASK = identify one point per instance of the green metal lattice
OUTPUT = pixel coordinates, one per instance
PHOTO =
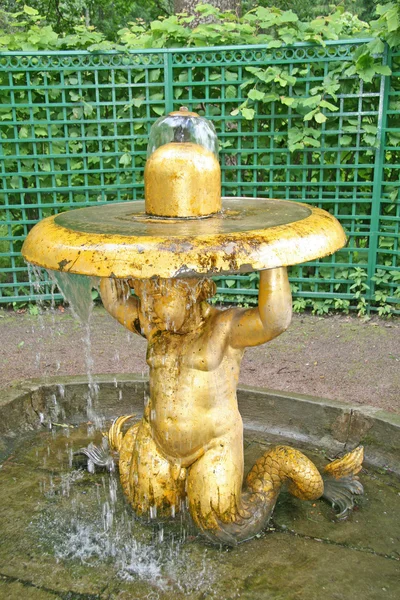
(74, 127)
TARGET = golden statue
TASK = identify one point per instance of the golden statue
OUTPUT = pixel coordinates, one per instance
(188, 447)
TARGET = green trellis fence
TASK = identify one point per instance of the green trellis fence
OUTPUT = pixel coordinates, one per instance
(74, 127)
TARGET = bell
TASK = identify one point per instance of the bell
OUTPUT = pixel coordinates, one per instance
(182, 177)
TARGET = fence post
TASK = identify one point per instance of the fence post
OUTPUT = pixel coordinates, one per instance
(378, 176)
(168, 82)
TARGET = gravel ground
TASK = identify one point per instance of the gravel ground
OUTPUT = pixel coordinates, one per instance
(336, 357)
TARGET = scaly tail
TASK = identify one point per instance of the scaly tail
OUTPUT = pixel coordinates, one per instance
(262, 487)
(264, 482)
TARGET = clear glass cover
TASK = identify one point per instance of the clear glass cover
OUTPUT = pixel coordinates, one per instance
(183, 126)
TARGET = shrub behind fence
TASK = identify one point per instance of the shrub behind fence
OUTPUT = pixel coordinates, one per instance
(74, 128)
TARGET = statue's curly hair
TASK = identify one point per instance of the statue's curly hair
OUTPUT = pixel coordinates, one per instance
(207, 289)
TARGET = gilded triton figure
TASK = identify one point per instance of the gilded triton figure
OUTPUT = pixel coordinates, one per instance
(189, 444)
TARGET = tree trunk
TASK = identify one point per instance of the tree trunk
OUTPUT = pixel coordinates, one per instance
(188, 7)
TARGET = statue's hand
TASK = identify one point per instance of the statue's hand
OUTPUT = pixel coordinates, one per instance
(119, 302)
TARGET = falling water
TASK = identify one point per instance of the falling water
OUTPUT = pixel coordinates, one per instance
(87, 520)
(95, 525)
(45, 331)
(77, 291)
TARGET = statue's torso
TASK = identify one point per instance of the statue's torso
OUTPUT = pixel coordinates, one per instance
(193, 383)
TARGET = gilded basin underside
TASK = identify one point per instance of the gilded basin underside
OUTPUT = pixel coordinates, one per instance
(120, 240)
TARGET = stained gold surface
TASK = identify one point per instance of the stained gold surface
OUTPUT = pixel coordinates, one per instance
(182, 180)
(119, 240)
(188, 447)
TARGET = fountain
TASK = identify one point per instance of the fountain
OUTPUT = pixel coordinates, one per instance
(187, 450)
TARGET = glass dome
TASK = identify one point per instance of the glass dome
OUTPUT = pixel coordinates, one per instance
(183, 126)
(182, 176)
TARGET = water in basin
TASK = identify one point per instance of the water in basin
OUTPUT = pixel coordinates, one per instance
(70, 534)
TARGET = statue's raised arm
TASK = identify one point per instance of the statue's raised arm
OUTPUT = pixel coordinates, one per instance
(119, 302)
(272, 316)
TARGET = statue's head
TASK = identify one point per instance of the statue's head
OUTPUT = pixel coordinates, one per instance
(171, 303)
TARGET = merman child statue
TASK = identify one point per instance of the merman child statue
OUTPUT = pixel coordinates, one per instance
(188, 447)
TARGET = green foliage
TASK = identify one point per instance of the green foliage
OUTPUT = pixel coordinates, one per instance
(305, 96)
(311, 9)
(106, 16)
(385, 280)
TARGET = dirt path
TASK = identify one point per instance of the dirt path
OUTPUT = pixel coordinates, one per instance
(335, 357)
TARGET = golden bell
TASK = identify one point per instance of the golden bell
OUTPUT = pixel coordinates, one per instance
(182, 174)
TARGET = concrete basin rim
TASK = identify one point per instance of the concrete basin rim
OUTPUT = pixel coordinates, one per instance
(17, 388)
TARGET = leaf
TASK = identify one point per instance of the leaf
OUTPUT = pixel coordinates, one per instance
(154, 75)
(248, 113)
(289, 78)
(351, 128)
(287, 101)
(383, 70)
(125, 160)
(45, 165)
(320, 117)
(345, 140)
(309, 115)
(392, 19)
(274, 44)
(87, 109)
(30, 11)
(159, 110)
(369, 139)
(270, 98)
(312, 142)
(328, 105)
(376, 46)
(77, 113)
(157, 96)
(136, 102)
(370, 128)
(230, 92)
(231, 76)
(23, 132)
(367, 74)
(255, 95)
(41, 132)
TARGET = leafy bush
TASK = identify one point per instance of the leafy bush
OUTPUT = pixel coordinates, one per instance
(293, 128)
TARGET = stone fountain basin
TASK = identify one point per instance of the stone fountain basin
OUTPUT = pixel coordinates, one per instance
(47, 552)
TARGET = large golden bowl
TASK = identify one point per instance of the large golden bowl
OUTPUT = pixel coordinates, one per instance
(120, 240)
